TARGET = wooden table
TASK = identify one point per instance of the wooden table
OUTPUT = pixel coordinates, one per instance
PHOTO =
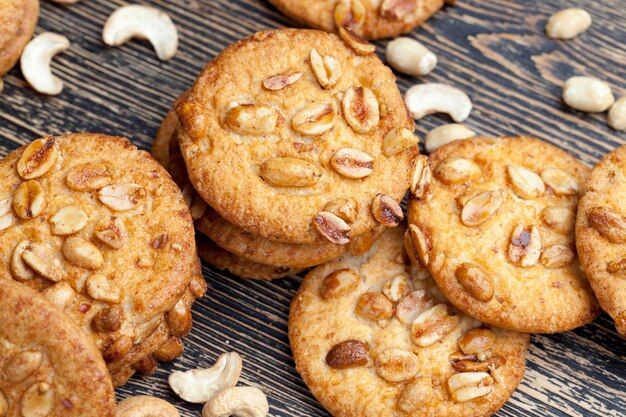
(495, 50)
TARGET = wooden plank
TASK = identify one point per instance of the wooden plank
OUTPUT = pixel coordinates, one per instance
(495, 50)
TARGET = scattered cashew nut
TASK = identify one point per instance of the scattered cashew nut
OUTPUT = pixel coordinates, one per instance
(617, 114)
(200, 385)
(35, 62)
(425, 99)
(442, 135)
(568, 23)
(587, 94)
(145, 406)
(410, 57)
(142, 22)
(238, 402)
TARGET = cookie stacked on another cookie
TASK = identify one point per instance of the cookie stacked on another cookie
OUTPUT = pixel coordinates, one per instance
(299, 157)
(496, 230)
(374, 337)
(100, 229)
(18, 19)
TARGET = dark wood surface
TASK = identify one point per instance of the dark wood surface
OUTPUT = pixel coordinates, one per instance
(495, 50)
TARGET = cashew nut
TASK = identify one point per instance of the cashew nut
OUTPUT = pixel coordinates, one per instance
(568, 23)
(617, 114)
(410, 57)
(35, 62)
(199, 385)
(145, 406)
(425, 99)
(442, 135)
(142, 22)
(587, 94)
(238, 402)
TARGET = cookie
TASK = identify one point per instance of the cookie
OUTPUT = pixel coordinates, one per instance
(103, 231)
(373, 337)
(371, 20)
(48, 366)
(496, 230)
(601, 234)
(160, 148)
(18, 19)
(311, 126)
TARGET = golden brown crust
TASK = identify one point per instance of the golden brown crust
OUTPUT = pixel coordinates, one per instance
(224, 166)
(601, 257)
(18, 19)
(516, 289)
(161, 147)
(320, 15)
(318, 324)
(61, 356)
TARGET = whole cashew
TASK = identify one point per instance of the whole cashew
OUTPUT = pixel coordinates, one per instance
(238, 402)
(442, 135)
(425, 99)
(35, 62)
(199, 385)
(145, 406)
(142, 22)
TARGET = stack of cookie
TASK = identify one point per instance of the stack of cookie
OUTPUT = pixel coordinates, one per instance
(18, 19)
(293, 147)
(100, 229)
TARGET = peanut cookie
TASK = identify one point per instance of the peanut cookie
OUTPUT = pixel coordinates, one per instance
(496, 230)
(369, 19)
(18, 19)
(373, 337)
(312, 125)
(103, 231)
(48, 367)
(601, 234)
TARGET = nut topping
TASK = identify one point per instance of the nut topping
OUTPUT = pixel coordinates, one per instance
(397, 287)
(432, 325)
(525, 246)
(60, 294)
(345, 208)
(22, 365)
(29, 200)
(397, 140)
(560, 219)
(420, 244)
(111, 231)
(475, 281)
(350, 14)
(82, 253)
(108, 320)
(355, 42)
(326, 69)
(348, 354)
(360, 109)
(526, 183)
(480, 207)
(616, 266)
(557, 256)
(339, 283)
(43, 261)
(88, 177)
(397, 9)
(6, 216)
(396, 365)
(560, 181)
(68, 220)
(386, 210)
(421, 176)
(38, 158)
(314, 119)
(253, 119)
(471, 363)
(467, 386)
(118, 349)
(278, 82)
(609, 223)
(456, 170)
(352, 163)
(374, 306)
(332, 227)
(289, 172)
(414, 304)
(19, 269)
(100, 288)
(38, 400)
(122, 197)
(416, 395)
(477, 341)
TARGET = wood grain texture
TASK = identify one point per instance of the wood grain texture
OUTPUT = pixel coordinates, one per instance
(495, 50)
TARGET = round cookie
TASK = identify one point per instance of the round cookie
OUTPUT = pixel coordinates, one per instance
(48, 367)
(496, 230)
(161, 146)
(373, 337)
(601, 234)
(370, 19)
(103, 231)
(18, 19)
(269, 148)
